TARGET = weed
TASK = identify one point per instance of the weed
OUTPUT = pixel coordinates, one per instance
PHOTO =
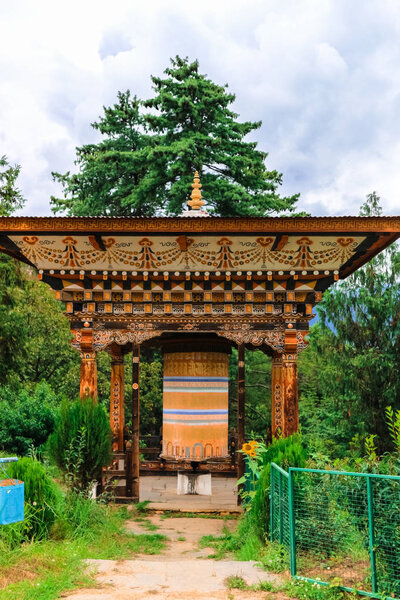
(142, 507)
(124, 544)
(149, 525)
(222, 545)
(181, 538)
(146, 523)
(236, 583)
(264, 586)
(275, 557)
(245, 544)
(312, 591)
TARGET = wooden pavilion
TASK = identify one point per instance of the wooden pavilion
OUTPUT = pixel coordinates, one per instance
(195, 279)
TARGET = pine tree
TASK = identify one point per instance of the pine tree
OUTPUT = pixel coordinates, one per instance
(198, 131)
(150, 150)
(110, 171)
(10, 196)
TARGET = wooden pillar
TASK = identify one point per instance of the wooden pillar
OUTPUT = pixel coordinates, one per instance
(241, 392)
(117, 405)
(135, 421)
(88, 385)
(285, 411)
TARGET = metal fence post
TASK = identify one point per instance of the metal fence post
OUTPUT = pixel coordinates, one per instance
(371, 531)
(280, 510)
(292, 522)
(271, 506)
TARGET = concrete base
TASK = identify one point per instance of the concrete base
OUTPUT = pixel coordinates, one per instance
(194, 484)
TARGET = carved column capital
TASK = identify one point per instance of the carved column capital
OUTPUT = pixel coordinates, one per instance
(88, 374)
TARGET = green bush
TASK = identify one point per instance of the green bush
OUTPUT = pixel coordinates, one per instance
(285, 452)
(81, 443)
(42, 501)
(27, 418)
(248, 541)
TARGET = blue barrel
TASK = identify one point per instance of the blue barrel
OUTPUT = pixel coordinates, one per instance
(11, 498)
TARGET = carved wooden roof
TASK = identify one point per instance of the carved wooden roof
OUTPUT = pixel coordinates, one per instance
(281, 246)
(250, 280)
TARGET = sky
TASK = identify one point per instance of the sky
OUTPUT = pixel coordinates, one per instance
(322, 75)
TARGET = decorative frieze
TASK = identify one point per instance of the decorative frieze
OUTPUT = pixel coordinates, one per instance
(265, 254)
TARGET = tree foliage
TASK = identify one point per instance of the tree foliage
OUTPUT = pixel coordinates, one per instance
(356, 347)
(110, 172)
(81, 442)
(27, 418)
(150, 149)
(34, 333)
(258, 393)
(10, 196)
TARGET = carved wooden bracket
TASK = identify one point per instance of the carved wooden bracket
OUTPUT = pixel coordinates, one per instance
(239, 332)
(137, 333)
(280, 341)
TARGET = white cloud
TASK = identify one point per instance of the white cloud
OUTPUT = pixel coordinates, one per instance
(322, 75)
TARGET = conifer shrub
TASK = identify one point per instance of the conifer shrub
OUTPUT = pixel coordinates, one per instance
(81, 442)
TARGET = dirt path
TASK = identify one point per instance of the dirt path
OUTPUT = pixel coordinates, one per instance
(181, 571)
(184, 534)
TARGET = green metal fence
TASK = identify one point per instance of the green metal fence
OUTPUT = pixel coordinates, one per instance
(340, 528)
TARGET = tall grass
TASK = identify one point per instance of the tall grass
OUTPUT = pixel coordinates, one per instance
(43, 499)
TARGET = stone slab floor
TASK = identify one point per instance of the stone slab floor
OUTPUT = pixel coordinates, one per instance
(161, 491)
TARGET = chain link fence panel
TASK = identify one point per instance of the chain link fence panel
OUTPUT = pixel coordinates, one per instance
(341, 528)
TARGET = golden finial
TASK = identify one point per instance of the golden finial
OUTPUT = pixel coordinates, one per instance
(196, 202)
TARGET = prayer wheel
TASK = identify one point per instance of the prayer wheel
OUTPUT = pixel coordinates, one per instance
(195, 401)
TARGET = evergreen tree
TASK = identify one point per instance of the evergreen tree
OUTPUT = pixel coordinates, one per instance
(198, 131)
(109, 172)
(10, 196)
(359, 343)
(145, 163)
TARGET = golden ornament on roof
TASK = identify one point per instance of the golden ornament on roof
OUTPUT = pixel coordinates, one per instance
(196, 202)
